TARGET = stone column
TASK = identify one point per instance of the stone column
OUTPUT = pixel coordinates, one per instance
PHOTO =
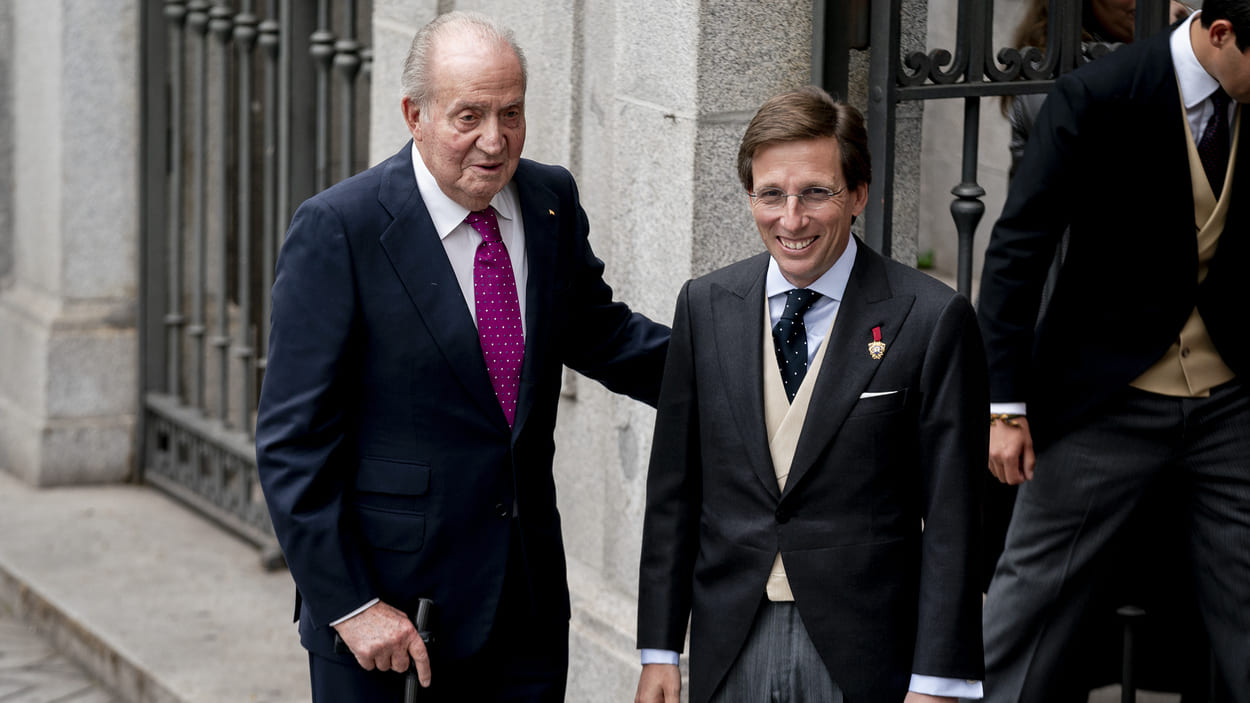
(68, 381)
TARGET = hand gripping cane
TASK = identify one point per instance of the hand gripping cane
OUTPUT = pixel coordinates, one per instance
(422, 622)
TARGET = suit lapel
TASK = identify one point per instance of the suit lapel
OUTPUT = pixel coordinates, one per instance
(848, 366)
(738, 326)
(541, 215)
(420, 261)
(1156, 105)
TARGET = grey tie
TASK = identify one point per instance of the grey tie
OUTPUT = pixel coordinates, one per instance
(790, 338)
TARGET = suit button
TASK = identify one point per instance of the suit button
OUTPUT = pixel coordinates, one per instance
(783, 515)
(502, 510)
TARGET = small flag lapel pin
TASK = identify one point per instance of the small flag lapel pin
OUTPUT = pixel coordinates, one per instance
(876, 347)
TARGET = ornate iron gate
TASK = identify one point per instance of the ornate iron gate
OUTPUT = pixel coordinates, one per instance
(247, 111)
(973, 72)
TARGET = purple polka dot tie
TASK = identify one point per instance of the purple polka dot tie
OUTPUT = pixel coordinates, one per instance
(498, 313)
(1213, 146)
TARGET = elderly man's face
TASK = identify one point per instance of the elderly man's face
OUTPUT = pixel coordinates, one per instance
(471, 134)
(804, 240)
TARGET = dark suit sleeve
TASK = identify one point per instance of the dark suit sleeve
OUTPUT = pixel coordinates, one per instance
(603, 338)
(954, 438)
(303, 424)
(1023, 242)
(674, 495)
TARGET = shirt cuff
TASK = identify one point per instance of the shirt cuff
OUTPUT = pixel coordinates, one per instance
(953, 688)
(355, 612)
(1008, 408)
(660, 656)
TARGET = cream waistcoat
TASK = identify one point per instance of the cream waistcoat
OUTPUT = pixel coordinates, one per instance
(784, 421)
(1191, 367)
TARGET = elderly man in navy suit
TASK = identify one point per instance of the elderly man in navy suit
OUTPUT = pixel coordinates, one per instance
(423, 311)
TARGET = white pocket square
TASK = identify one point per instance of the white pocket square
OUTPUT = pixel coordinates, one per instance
(876, 395)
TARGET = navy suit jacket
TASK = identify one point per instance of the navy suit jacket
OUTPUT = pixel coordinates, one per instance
(1108, 159)
(387, 464)
(880, 598)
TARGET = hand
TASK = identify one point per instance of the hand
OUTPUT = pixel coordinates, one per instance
(659, 683)
(913, 697)
(1011, 452)
(383, 638)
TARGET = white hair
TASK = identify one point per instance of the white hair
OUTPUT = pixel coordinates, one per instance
(416, 80)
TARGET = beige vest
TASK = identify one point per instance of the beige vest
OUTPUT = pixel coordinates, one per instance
(1191, 367)
(784, 422)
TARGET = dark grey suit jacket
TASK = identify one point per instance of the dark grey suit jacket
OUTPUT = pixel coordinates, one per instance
(881, 598)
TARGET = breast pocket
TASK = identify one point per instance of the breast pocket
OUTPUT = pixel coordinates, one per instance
(879, 402)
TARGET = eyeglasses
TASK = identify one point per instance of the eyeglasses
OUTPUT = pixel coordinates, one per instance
(814, 198)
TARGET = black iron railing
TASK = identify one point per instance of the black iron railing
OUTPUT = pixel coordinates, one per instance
(250, 107)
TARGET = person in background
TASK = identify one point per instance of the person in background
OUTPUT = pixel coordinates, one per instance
(1102, 22)
(1144, 569)
(1134, 374)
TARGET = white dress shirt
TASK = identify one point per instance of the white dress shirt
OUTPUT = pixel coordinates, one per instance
(460, 240)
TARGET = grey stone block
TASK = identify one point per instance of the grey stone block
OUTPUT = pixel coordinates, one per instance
(657, 54)
(751, 50)
(724, 230)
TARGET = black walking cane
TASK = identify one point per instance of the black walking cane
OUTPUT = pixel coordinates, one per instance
(1131, 617)
(422, 622)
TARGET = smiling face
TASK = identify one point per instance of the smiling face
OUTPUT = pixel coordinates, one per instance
(471, 134)
(805, 242)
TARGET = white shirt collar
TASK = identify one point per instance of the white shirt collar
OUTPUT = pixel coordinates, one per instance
(832, 284)
(446, 213)
(1196, 84)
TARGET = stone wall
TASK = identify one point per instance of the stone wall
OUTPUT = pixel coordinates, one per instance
(68, 384)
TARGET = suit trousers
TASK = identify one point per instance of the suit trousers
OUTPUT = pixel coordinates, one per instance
(523, 661)
(778, 663)
(1085, 487)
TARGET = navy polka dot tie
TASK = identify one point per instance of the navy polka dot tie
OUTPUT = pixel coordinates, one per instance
(498, 312)
(1213, 146)
(790, 339)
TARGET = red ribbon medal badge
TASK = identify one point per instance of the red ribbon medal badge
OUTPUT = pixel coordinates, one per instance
(876, 347)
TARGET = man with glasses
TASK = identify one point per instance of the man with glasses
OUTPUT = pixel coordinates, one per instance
(812, 494)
